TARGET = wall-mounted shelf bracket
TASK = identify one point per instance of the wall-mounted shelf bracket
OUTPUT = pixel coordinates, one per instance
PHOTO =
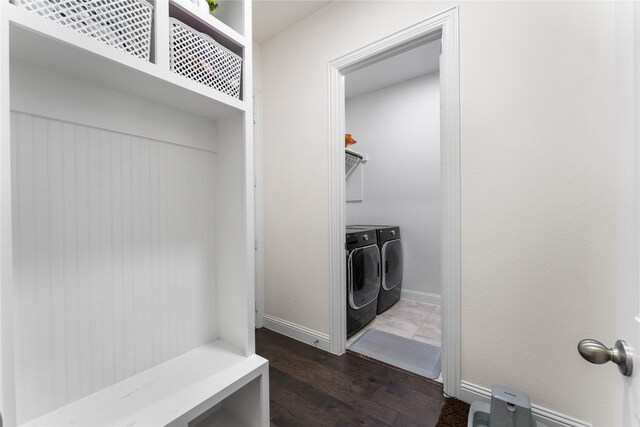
(351, 161)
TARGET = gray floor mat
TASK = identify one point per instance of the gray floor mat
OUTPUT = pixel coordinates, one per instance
(413, 356)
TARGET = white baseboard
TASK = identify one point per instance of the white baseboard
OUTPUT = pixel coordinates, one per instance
(297, 332)
(471, 392)
(420, 296)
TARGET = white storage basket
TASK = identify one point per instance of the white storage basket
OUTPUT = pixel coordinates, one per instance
(125, 24)
(199, 57)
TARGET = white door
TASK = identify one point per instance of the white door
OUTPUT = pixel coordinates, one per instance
(628, 208)
(627, 316)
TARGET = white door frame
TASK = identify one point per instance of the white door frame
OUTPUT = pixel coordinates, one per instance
(444, 26)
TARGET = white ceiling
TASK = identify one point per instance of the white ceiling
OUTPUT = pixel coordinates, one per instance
(407, 65)
(271, 17)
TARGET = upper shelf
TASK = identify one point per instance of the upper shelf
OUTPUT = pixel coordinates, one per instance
(48, 44)
(192, 15)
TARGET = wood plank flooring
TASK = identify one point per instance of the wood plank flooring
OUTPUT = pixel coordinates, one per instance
(312, 388)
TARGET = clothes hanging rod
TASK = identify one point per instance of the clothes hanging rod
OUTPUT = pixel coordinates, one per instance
(353, 153)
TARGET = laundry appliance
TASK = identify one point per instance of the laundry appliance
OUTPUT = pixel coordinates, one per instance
(390, 247)
(363, 277)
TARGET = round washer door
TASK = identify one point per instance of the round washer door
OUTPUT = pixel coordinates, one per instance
(391, 264)
(364, 276)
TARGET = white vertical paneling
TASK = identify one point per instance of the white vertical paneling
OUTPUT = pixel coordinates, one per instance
(95, 267)
(171, 250)
(183, 254)
(117, 241)
(163, 204)
(21, 174)
(105, 257)
(114, 257)
(128, 302)
(17, 306)
(41, 237)
(137, 258)
(57, 282)
(25, 255)
(83, 295)
(70, 259)
(144, 302)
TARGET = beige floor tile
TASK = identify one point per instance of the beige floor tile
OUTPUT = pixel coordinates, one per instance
(404, 315)
(406, 323)
(413, 307)
(434, 321)
(429, 332)
(409, 319)
(437, 311)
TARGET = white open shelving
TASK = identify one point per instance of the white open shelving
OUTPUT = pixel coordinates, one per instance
(215, 24)
(352, 159)
(126, 224)
(51, 45)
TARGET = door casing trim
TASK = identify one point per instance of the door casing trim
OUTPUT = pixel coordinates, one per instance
(443, 26)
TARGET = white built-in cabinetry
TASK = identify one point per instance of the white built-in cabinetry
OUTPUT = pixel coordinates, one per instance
(126, 222)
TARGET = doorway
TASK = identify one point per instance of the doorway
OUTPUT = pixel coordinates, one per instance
(392, 192)
(441, 28)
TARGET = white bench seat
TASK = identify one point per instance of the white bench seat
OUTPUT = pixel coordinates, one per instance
(172, 393)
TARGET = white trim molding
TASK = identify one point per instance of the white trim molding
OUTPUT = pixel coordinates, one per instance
(297, 332)
(7, 371)
(470, 393)
(443, 26)
(626, 408)
(420, 296)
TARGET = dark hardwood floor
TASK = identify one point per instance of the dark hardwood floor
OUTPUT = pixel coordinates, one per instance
(311, 388)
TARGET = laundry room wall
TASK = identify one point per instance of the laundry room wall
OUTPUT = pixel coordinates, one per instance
(538, 183)
(398, 128)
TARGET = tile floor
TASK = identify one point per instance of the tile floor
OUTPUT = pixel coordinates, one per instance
(410, 319)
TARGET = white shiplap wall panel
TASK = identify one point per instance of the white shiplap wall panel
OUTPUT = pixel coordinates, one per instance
(114, 257)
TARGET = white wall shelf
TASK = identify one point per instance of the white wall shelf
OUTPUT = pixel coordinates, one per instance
(351, 161)
(52, 45)
(198, 15)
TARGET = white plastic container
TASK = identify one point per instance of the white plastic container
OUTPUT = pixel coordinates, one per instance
(124, 24)
(199, 57)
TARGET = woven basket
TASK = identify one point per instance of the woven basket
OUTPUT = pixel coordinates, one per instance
(199, 57)
(125, 24)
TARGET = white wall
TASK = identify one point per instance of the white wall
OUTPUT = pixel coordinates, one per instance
(115, 265)
(538, 254)
(398, 127)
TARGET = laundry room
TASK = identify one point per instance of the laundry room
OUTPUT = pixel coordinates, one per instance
(393, 209)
